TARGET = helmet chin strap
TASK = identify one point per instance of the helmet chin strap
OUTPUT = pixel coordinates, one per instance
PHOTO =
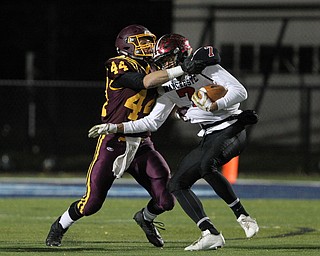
(137, 57)
(127, 54)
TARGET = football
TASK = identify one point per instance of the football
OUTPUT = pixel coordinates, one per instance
(213, 91)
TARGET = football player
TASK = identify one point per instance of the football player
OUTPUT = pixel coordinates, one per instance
(128, 76)
(223, 132)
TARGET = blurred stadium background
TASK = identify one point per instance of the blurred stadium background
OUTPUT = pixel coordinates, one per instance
(52, 77)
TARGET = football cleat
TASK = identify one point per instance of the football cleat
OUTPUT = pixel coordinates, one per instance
(249, 225)
(207, 241)
(55, 234)
(149, 229)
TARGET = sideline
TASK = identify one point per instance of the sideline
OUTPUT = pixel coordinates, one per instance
(128, 187)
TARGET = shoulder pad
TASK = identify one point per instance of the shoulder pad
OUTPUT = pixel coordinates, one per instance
(119, 65)
(123, 59)
(208, 54)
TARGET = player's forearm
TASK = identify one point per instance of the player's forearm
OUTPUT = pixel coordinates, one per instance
(140, 125)
(233, 96)
(153, 121)
(155, 79)
(160, 77)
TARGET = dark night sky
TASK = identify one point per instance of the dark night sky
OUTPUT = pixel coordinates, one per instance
(71, 39)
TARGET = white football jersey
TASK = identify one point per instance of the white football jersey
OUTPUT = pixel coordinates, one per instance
(178, 93)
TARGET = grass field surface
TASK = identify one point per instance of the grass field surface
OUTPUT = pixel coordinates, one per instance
(287, 227)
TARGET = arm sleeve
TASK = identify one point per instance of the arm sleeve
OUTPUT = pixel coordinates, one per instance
(236, 91)
(154, 120)
(133, 80)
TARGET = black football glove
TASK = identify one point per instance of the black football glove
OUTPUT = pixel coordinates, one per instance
(191, 66)
(208, 54)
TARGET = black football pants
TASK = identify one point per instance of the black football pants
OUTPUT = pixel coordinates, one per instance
(214, 150)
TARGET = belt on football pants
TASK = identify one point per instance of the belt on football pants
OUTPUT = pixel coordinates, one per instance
(247, 117)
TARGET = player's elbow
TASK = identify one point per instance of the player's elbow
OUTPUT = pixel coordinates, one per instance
(153, 128)
(148, 82)
(243, 94)
(152, 124)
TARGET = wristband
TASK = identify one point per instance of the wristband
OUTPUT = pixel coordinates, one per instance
(113, 128)
(174, 72)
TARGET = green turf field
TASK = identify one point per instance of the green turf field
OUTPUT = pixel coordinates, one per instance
(287, 227)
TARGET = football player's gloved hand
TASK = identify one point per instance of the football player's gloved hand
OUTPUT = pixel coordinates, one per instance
(99, 129)
(191, 66)
(208, 54)
(201, 100)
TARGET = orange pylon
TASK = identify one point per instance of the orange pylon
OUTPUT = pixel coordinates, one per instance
(230, 170)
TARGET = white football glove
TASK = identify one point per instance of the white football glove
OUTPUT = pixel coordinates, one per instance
(99, 129)
(203, 101)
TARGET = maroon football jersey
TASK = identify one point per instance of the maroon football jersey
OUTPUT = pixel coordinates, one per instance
(122, 103)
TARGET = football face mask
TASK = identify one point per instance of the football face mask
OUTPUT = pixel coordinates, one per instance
(168, 61)
(143, 45)
(171, 50)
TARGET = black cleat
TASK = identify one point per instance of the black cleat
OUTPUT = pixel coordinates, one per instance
(149, 229)
(55, 234)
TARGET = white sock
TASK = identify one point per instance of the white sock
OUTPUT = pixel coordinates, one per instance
(148, 216)
(66, 220)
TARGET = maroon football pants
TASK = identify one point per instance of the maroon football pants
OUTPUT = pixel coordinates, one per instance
(148, 168)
